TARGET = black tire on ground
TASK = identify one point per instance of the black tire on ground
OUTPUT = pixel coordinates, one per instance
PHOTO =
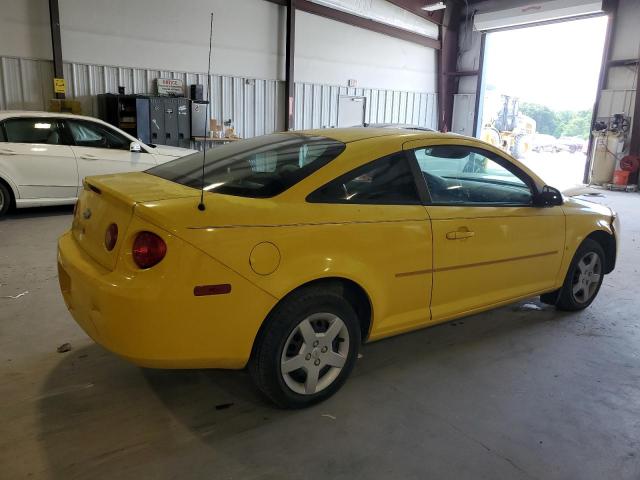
(588, 261)
(519, 147)
(280, 329)
(6, 199)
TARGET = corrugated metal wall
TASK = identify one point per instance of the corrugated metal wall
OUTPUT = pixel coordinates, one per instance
(254, 105)
(317, 106)
(616, 101)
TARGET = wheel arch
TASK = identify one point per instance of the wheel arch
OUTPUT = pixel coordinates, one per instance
(352, 291)
(12, 189)
(608, 244)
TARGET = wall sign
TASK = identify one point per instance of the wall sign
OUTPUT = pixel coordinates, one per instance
(59, 85)
(170, 86)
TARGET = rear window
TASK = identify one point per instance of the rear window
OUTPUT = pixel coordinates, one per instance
(32, 130)
(257, 167)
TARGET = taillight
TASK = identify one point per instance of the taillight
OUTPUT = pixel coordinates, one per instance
(111, 237)
(148, 249)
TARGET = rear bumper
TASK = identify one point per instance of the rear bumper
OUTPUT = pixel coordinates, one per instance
(152, 318)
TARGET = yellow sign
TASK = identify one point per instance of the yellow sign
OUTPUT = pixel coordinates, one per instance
(59, 85)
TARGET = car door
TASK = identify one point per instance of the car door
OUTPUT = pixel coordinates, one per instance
(34, 156)
(490, 244)
(102, 150)
(386, 235)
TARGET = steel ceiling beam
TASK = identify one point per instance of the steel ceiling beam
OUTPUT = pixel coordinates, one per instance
(362, 22)
(415, 7)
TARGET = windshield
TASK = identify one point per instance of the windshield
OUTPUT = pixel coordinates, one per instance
(257, 167)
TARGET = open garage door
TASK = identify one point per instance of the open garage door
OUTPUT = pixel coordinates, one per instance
(541, 65)
(535, 13)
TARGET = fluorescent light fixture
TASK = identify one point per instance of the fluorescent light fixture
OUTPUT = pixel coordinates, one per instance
(45, 126)
(434, 6)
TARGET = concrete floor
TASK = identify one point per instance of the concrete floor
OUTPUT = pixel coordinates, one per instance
(513, 393)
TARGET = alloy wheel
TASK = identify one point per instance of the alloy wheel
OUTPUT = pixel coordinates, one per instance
(315, 353)
(586, 277)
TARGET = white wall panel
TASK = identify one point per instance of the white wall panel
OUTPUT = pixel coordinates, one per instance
(331, 53)
(24, 28)
(626, 41)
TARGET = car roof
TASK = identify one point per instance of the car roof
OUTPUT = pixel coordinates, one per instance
(406, 126)
(353, 134)
(40, 114)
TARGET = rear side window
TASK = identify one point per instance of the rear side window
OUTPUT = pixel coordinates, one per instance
(32, 130)
(88, 134)
(257, 167)
(387, 181)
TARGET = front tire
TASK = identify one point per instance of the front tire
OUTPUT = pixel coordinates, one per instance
(5, 200)
(584, 278)
(307, 348)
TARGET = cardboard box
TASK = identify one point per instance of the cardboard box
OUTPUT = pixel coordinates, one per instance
(58, 105)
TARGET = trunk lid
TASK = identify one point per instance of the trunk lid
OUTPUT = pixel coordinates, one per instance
(111, 199)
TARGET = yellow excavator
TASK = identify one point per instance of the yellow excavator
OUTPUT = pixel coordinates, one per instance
(509, 129)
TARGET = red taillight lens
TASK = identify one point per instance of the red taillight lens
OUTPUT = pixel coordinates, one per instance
(148, 249)
(111, 237)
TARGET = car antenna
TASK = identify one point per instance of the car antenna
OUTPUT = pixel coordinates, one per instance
(201, 206)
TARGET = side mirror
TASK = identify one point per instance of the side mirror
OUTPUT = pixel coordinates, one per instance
(548, 197)
(135, 147)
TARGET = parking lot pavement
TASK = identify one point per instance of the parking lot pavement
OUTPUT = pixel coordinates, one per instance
(560, 170)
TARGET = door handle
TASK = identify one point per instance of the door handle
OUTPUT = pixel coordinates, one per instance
(8, 151)
(88, 157)
(460, 234)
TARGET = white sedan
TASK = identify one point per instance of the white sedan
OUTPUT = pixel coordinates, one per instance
(45, 156)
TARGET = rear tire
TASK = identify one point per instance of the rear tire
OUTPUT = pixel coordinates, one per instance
(6, 199)
(520, 147)
(584, 278)
(307, 348)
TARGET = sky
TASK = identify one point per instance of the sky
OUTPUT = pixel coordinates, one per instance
(556, 65)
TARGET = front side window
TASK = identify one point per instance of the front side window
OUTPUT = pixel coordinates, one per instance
(256, 167)
(32, 130)
(88, 134)
(387, 181)
(462, 175)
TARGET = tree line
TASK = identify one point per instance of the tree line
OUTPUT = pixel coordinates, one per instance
(558, 123)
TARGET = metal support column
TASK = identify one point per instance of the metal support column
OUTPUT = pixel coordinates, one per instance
(56, 44)
(610, 7)
(634, 140)
(289, 65)
(447, 64)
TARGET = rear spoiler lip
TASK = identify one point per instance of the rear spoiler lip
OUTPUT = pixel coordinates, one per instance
(97, 185)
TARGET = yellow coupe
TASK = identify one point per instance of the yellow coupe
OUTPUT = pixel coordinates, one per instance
(306, 244)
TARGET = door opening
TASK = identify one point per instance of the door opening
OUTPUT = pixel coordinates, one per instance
(538, 90)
